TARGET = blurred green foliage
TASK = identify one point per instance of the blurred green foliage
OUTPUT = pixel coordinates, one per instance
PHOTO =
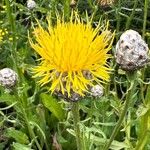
(30, 119)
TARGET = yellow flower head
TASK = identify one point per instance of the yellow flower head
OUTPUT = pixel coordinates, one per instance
(73, 55)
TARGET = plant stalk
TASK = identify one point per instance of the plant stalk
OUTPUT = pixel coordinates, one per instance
(31, 132)
(76, 120)
(118, 19)
(144, 136)
(144, 124)
(131, 77)
(145, 18)
(130, 18)
(25, 116)
(13, 50)
(143, 35)
(13, 30)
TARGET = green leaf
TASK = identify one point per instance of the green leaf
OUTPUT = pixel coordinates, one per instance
(6, 97)
(142, 110)
(8, 107)
(2, 145)
(18, 146)
(100, 141)
(38, 127)
(10, 100)
(52, 105)
(17, 135)
(114, 146)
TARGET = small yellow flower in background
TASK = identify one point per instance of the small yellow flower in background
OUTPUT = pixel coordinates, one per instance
(73, 55)
(3, 32)
(10, 39)
(1, 35)
(4, 7)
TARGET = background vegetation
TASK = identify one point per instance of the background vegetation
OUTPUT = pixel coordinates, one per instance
(30, 118)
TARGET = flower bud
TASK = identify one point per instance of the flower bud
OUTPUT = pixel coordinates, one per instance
(73, 98)
(97, 91)
(8, 78)
(31, 4)
(131, 51)
(105, 2)
(73, 3)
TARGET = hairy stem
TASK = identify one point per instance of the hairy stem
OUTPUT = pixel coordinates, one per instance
(126, 106)
(25, 117)
(76, 119)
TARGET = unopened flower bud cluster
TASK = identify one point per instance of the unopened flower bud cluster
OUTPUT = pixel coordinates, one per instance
(131, 51)
(8, 78)
(73, 3)
(31, 4)
(97, 91)
(105, 2)
(74, 96)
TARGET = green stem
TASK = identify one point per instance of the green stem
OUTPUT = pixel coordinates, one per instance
(67, 9)
(131, 77)
(142, 142)
(13, 30)
(128, 130)
(132, 15)
(143, 35)
(13, 48)
(25, 116)
(30, 130)
(118, 18)
(144, 124)
(145, 18)
(144, 135)
(90, 4)
(76, 119)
